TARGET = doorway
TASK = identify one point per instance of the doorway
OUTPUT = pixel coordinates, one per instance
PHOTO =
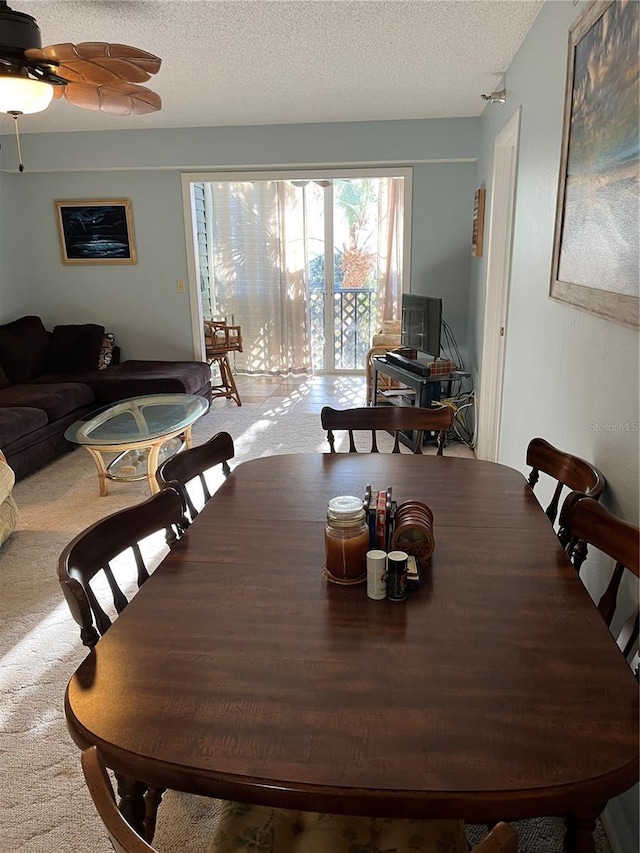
(503, 194)
(308, 263)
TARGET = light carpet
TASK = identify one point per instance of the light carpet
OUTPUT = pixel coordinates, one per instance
(45, 806)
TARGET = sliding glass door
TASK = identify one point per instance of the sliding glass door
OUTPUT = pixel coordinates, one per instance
(309, 266)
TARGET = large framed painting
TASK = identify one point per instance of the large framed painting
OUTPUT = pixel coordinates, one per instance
(96, 232)
(595, 253)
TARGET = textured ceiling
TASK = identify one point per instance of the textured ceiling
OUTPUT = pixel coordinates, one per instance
(238, 62)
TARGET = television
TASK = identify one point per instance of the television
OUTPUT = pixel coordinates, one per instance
(421, 323)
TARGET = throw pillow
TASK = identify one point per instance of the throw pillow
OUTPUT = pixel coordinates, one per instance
(4, 380)
(106, 351)
(74, 348)
(23, 349)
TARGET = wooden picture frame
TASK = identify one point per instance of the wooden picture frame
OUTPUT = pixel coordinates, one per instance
(96, 232)
(596, 247)
(478, 223)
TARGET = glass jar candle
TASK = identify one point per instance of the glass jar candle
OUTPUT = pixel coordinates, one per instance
(346, 541)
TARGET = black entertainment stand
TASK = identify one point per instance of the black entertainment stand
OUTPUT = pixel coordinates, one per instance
(418, 391)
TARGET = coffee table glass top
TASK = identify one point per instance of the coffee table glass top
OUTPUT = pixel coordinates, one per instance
(144, 419)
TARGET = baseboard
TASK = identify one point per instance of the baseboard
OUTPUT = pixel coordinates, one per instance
(620, 825)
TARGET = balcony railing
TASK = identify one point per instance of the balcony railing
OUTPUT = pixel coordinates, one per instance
(354, 324)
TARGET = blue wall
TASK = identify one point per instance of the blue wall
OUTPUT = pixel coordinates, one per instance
(139, 303)
(570, 376)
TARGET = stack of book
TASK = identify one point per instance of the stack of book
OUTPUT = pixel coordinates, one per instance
(380, 509)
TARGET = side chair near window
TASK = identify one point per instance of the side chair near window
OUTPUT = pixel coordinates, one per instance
(88, 558)
(194, 463)
(570, 471)
(219, 340)
(393, 419)
(241, 826)
(585, 520)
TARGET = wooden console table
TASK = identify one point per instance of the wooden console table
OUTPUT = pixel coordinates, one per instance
(421, 390)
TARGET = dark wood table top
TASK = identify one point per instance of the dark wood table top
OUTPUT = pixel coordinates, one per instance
(494, 691)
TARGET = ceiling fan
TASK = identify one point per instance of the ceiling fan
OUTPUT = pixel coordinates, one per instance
(90, 75)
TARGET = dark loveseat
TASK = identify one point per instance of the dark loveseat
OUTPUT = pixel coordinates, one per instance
(50, 379)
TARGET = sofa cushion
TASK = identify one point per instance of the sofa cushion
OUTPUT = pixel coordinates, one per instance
(7, 479)
(18, 422)
(8, 517)
(30, 452)
(8, 508)
(162, 377)
(138, 378)
(243, 828)
(75, 348)
(4, 379)
(23, 348)
(56, 400)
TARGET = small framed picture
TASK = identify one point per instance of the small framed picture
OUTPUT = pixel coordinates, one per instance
(96, 232)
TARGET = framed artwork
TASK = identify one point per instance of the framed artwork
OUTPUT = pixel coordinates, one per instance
(96, 232)
(596, 248)
(478, 224)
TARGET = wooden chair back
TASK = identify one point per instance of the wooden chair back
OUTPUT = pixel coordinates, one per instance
(393, 419)
(193, 463)
(384, 382)
(221, 338)
(572, 473)
(585, 520)
(92, 552)
(576, 474)
(123, 837)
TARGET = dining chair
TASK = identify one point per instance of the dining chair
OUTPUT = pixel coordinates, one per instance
(569, 471)
(88, 578)
(588, 521)
(123, 838)
(393, 419)
(193, 464)
(86, 562)
(219, 340)
(241, 827)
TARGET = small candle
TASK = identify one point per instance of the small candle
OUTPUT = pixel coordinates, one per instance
(377, 574)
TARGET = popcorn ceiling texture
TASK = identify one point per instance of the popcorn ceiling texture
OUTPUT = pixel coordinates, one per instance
(246, 62)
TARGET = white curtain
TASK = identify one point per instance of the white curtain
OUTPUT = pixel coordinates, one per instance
(259, 272)
(254, 240)
(390, 243)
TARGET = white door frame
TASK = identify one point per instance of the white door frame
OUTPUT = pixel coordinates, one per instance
(503, 195)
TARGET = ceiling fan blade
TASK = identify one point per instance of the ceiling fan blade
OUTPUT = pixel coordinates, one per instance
(123, 99)
(148, 62)
(98, 62)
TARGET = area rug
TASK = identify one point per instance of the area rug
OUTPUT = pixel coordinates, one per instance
(45, 806)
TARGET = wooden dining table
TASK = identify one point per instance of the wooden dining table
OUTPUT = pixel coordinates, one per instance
(495, 691)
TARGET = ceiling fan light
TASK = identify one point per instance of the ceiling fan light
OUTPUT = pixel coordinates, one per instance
(23, 95)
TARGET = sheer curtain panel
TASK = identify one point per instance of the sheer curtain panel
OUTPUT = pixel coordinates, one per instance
(259, 271)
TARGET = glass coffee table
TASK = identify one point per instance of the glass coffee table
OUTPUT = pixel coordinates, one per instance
(142, 431)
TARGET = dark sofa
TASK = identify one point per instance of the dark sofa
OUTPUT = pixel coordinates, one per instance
(50, 379)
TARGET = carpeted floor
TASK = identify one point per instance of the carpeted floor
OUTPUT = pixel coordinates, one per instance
(45, 806)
